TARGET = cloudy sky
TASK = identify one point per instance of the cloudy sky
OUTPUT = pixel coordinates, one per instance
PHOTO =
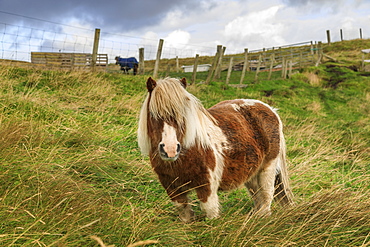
(236, 24)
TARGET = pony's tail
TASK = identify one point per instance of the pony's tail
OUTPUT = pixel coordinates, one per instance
(283, 194)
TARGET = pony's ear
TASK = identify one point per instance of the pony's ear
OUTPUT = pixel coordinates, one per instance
(150, 84)
(183, 82)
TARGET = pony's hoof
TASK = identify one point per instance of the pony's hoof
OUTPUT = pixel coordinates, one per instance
(187, 217)
(262, 213)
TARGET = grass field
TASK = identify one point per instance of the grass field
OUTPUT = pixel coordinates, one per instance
(71, 173)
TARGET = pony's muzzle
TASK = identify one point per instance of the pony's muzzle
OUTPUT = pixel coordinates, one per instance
(169, 152)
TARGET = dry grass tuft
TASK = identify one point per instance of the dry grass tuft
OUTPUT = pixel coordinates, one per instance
(316, 108)
(313, 79)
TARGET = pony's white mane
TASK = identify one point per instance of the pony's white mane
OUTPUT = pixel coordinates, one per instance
(170, 101)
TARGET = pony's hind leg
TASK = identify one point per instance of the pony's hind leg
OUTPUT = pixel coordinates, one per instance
(186, 213)
(261, 188)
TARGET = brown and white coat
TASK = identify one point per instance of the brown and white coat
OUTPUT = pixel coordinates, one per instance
(236, 142)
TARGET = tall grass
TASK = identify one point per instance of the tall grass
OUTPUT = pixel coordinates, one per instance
(71, 173)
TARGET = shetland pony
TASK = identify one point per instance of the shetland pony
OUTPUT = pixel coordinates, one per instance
(233, 143)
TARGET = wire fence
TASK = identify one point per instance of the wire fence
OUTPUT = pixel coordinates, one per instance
(17, 42)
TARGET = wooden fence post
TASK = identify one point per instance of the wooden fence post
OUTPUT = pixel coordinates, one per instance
(311, 48)
(328, 36)
(312, 53)
(177, 64)
(214, 64)
(290, 69)
(229, 70)
(271, 66)
(245, 65)
(195, 67)
(341, 35)
(95, 49)
(286, 67)
(217, 74)
(258, 67)
(159, 53)
(141, 61)
(360, 33)
(319, 53)
(283, 67)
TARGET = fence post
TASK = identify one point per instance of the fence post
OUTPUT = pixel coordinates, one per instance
(360, 33)
(271, 66)
(95, 49)
(229, 70)
(283, 67)
(319, 53)
(245, 65)
(312, 53)
(141, 61)
(328, 36)
(286, 68)
(214, 64)
(195, 67)
(177, 64)
(311, 48)
(217, 74)
(290, 69)
(341, 35)
(159, 53)
(258, 68)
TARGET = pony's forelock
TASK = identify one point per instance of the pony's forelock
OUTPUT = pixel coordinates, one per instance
(170, 101)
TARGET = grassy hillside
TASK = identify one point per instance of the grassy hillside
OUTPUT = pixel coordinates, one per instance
(71, 173)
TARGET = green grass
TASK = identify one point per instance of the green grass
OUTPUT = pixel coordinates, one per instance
(70, 167)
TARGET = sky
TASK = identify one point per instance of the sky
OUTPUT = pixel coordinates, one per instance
(185, 24)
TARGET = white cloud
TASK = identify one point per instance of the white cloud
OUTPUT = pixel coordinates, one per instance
(149, 38)
(256, 30)
(348, 23)
(178, 39)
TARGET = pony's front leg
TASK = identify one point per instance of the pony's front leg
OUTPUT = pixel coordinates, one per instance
(209, 203)
(186, 214)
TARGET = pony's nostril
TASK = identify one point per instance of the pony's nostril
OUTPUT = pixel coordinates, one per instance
(178, 148)
(161, 146)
